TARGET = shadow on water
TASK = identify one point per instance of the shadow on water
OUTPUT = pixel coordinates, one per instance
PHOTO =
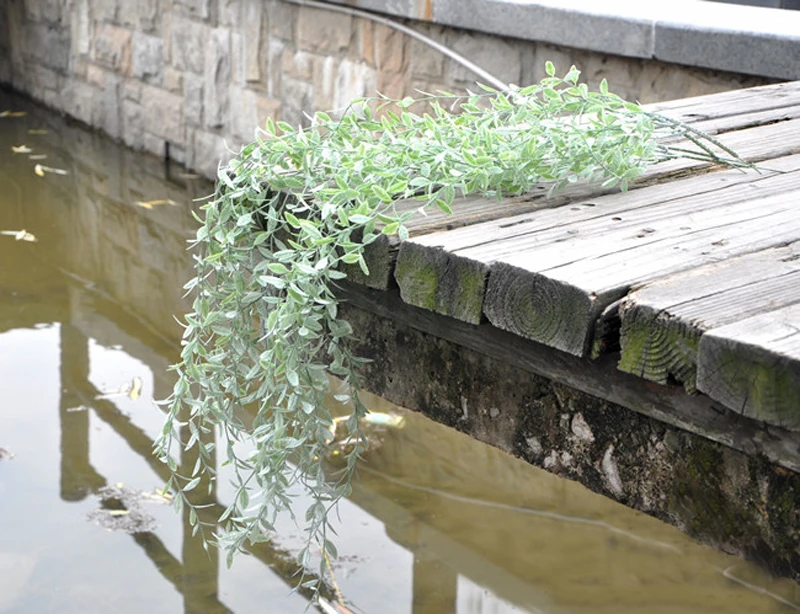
(436, 523)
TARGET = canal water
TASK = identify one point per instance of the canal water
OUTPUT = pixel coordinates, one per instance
(437, 523)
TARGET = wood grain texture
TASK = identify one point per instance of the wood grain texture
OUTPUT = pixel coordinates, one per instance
(753, 366)
(552, 236)
(757, 133)
(662, 322)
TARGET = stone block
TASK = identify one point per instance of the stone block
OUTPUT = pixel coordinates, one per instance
(105, 10)
(193, 102)
(48, 45)
(353, 80)
(96, 76)
(319, 30)
(229, 12)
(206, 153)
(132, 90)
(194, 8)
(299, 64)
(78, 100)
(324, 80)
(107, 113)
(173, 80)
(243, 115)
(142, 15)
(237, 58)
(365, 41)
(395, 85)
(148, 58)
(163, 114)
(267, 108)
(132, 124)
(624, 28)
(216, 78)
(153, 143)
(282, 18)
(80, 28)
(272, 67)
(297, 100)
(739, 39)
(188, 44)
(500, 58)
(112, 48)
(251, 31)
(391, 52)
(50, 11)
(427, 62)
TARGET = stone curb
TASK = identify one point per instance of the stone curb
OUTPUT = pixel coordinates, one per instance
(741, 39)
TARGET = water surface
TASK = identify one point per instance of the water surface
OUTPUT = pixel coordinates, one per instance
(437, 523)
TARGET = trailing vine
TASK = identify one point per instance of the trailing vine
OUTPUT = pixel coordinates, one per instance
(296, 206)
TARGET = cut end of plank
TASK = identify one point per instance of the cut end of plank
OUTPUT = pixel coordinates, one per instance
(442, 282)
(541, 309)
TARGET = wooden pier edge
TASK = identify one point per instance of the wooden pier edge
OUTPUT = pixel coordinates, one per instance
(729, 481)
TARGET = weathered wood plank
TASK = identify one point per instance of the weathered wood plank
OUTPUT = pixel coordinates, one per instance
(753, 366)
(558, 306)
(754, 142)
(600, 378)
(726, 104)
(556, 237)
(662, 323)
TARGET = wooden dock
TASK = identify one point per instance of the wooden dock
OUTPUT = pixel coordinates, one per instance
(692, 277)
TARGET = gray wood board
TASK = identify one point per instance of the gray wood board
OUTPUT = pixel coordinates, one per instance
(730, 103)
(600, 378)
(662, 322)
(753, 141)
(554, 237)
(559, 305)
(753, 366)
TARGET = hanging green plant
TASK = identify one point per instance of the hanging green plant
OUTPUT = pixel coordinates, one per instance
(297, 205)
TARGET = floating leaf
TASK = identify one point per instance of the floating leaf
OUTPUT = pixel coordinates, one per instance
(39, 132)
(149, 204)
(136, 389)
(38, 157)
(19, 235)
(23, 149)
(41, 170)
(13, 114)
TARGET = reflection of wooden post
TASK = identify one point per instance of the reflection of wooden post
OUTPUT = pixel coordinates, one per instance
(78, 477)
(435, 585)
(200, 568)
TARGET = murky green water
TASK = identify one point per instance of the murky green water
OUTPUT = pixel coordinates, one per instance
(437, 523)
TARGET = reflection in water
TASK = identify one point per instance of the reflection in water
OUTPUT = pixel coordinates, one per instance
(436, 523)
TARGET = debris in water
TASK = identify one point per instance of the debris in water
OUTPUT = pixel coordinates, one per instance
(20, 235)
(78, 408)
(136, 389)
(133, 390)
(38, 157)
(37, 132)
(21, 149)
(121, 509)
(6, 454)
(41, 170)
(149, 204)
(13, 114)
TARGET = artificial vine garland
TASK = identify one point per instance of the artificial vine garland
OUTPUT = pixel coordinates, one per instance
(296, 205)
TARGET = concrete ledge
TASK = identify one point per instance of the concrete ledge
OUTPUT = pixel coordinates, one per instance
(741, 39)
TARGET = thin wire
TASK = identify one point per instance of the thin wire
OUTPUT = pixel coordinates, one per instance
(487, 77)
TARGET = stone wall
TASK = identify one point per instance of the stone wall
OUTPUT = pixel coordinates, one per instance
(200, 75)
